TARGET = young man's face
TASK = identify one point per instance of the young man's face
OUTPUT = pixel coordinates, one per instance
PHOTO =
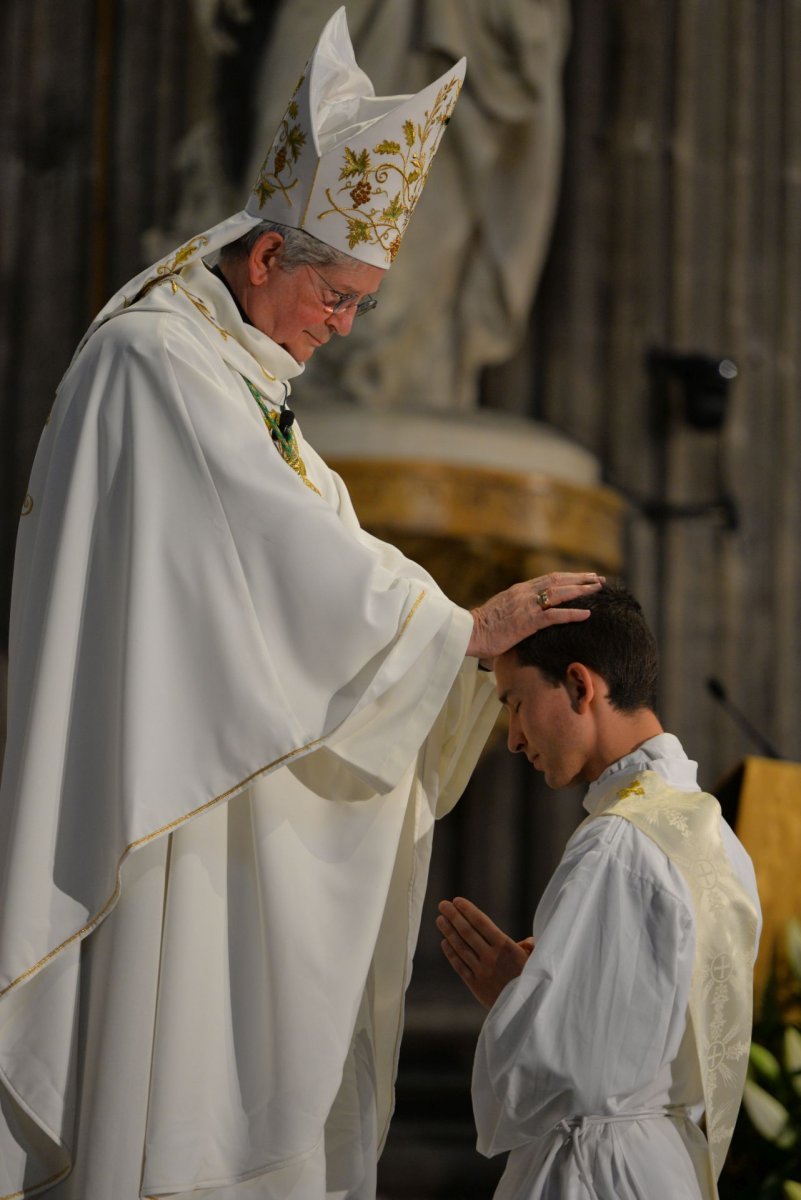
(545, 723)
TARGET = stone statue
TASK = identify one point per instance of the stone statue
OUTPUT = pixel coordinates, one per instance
(458, 298)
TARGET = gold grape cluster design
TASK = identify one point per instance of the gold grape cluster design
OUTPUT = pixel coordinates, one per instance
(285, 150)
(377, 194)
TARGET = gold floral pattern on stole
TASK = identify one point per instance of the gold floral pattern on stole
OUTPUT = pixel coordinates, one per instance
(286, 150)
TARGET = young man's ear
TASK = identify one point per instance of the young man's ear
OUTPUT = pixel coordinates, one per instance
(580, 685)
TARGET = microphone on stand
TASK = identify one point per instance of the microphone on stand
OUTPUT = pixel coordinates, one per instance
(716, 689)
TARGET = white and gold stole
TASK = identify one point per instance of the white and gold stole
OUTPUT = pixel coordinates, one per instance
(686, 826)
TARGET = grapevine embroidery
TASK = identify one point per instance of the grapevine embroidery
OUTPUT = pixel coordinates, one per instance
(183, 255)
(377, 195)
(286, 150)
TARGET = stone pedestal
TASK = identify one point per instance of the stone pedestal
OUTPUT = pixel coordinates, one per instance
(481, 500)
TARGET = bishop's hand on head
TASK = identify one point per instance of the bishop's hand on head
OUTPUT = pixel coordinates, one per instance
(522, 609)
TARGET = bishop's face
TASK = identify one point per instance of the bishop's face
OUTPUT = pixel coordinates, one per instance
(544, 723)
(294, 307)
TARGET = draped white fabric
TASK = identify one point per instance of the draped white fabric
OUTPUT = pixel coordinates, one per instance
(193, 626)
(586, 1069)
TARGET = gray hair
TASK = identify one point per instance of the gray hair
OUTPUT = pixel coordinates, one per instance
(300, 249)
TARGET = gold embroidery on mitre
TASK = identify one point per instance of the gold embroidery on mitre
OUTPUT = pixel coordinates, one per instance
(378, 195)
(286, 150)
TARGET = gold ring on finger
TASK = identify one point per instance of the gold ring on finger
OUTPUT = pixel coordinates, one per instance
(543, 599)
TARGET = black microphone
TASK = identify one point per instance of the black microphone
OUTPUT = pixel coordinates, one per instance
(716, 689)
(286, 420)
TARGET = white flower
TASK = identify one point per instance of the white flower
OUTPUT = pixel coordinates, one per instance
(766, 1063)
(792, 1056)
(769, 1117)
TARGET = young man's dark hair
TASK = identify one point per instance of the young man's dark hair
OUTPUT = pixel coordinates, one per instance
(615, 642)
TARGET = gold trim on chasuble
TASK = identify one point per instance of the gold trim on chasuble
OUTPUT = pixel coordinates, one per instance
(182, 257)
(296, 463)
(37, 1187)
(102, 912)
(421, 597)
(228, 794)
(686, 827)
(177, 285)
(166, 274)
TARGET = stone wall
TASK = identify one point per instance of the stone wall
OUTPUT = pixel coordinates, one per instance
(679, 229)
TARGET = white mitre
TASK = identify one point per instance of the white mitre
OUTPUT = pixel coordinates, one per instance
(345, 165)
(348, 166)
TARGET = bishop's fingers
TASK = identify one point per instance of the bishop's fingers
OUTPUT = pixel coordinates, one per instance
(558, 587)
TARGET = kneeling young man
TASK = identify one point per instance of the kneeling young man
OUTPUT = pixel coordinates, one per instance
(628, 1019)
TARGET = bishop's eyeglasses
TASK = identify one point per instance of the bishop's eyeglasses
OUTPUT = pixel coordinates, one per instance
(344, 300)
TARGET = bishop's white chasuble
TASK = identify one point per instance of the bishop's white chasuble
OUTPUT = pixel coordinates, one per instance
(234, 717)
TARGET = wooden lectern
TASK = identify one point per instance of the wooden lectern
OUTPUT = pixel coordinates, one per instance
(761, 798)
